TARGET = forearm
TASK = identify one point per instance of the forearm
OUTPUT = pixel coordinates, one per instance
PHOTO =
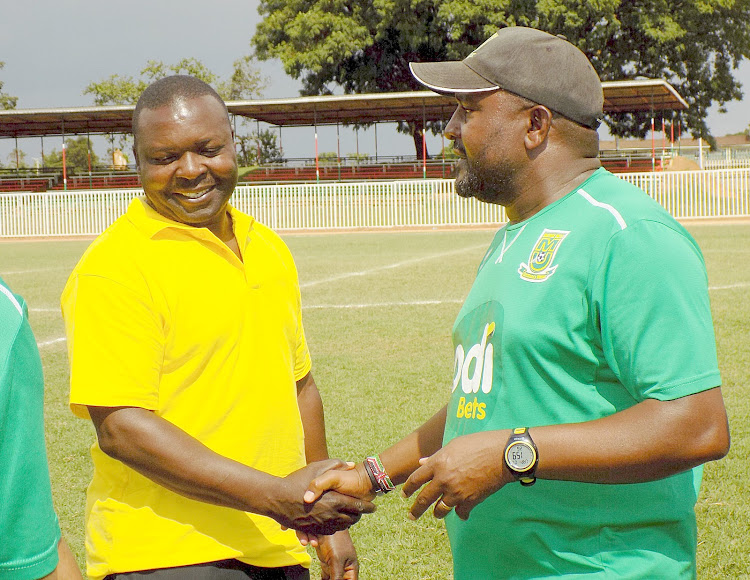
(313, 420)
(170, 457)
(651, 440)
(402, 459)
(67, 567)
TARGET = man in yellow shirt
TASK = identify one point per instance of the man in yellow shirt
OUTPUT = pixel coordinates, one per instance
(187, 352)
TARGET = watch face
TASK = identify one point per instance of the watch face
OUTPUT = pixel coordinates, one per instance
(520, 456)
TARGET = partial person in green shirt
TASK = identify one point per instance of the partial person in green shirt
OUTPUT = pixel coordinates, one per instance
(31, 545)
(586, 389)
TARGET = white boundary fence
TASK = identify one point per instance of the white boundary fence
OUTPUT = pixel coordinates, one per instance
(374, 204)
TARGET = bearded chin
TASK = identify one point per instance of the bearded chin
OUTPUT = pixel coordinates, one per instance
(467, 186)
(467, 183)
(489, 186)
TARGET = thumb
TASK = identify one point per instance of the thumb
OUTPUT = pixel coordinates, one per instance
(318, 486)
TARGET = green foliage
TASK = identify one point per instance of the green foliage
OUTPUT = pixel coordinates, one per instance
(448, 152)
(258, 148)
(6, 101)
(17, 159)
(115, 90)
(77, 153)
(366, 46)
(244, 83)
(329, 158)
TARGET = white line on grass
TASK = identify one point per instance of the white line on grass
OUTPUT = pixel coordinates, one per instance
(730, 286)
(44, 310)
(34, 270)
(345, 275)
(49, 342)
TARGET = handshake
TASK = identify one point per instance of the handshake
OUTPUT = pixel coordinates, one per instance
(323, 498)
(332, 495)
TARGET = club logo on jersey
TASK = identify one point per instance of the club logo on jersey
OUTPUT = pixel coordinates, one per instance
(539, 267)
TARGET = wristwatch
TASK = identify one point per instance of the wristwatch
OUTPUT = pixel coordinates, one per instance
(521, 456)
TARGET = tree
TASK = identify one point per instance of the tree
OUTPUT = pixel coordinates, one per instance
(77, 153)
(17, 159)
(6, 101)
(366, 45)
(244, 83)
(258, 148)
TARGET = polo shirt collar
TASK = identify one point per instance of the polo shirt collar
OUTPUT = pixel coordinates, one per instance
(151, 222)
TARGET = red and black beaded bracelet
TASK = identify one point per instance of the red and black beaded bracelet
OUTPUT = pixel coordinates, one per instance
(377, 474)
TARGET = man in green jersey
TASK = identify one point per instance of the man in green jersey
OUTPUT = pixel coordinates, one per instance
(586, 386)
(31, 545)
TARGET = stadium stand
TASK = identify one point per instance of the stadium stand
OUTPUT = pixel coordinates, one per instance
(13, 183)
(344, 172)
(629, 164)
(52, 180)
(112, 180)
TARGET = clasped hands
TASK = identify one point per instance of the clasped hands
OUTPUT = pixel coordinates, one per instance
(460, 475)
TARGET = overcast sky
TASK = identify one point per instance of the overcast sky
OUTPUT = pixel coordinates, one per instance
(53, 49)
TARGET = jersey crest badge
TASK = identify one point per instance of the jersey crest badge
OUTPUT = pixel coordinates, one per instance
(539, 267)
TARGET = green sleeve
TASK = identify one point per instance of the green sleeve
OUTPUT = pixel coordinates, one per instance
(650, 299)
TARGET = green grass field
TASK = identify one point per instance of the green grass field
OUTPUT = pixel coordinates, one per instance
(378, 312)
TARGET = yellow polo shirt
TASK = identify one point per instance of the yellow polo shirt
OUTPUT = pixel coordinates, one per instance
(164, 316)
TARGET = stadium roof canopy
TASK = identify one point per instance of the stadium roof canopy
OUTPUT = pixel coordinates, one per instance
(619, 96)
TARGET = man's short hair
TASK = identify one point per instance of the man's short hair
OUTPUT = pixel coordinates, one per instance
(167, 90)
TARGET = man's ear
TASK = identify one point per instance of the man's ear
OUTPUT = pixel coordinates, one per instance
(540, 123)
(135, 155)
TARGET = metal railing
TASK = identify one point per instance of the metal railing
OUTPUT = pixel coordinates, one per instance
(374, 204)
(698, 194)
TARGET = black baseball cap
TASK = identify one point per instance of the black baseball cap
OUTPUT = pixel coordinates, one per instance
(533, 64)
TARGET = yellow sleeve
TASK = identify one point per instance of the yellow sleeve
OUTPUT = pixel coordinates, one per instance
(302, 359)
(115, 345)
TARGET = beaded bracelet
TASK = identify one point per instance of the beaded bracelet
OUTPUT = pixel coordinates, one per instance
(378, 476)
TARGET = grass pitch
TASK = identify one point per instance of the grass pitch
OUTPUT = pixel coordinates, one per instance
(378, 312)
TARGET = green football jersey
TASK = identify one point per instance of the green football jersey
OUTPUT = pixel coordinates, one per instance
(29, 531)
(596, 303)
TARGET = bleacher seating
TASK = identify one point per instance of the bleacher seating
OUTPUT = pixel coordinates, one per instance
(302, 172)
(363, 172)
(53, 181)
(10, 184)
(114, 180)
(631, 164)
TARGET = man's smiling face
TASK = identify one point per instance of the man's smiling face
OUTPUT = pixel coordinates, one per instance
(186, 160)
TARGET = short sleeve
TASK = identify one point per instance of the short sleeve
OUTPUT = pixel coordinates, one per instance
(302, 360)
(650, 298)
(115, 345)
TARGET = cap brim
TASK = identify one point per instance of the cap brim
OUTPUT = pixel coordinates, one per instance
(450, 77)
